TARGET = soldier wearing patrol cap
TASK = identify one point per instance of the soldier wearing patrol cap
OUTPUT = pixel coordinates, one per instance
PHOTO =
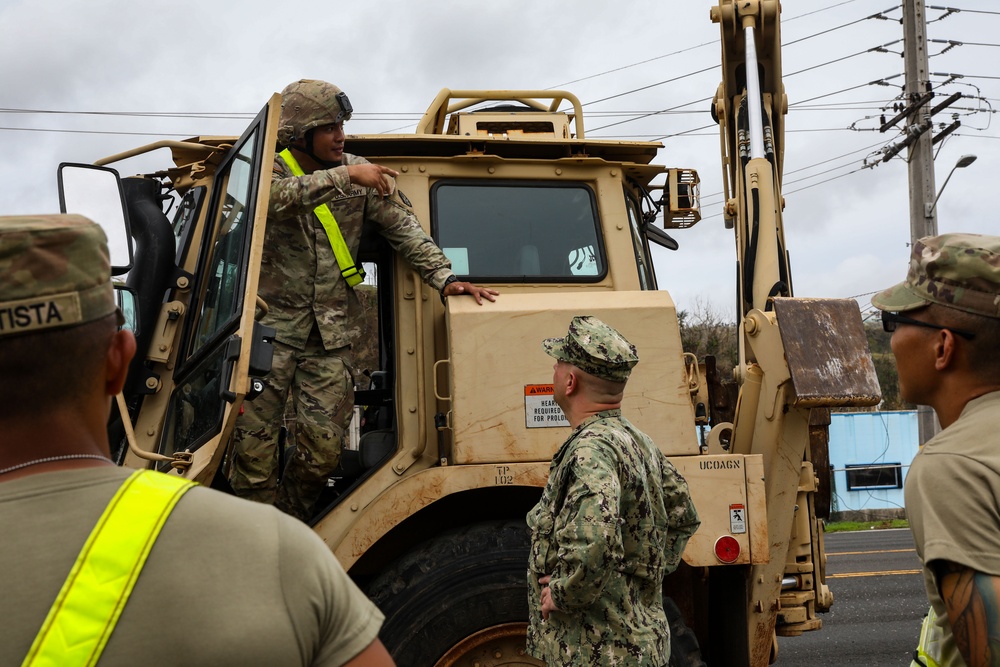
(945, 324)
(57, 310)
(258, 574)
(613, 519)
(321, 198)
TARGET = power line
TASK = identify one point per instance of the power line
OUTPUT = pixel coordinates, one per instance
(837, 60)
(137, 114)
(819, 173)
(877, 82)
(118, 132)
(382, 115)
(711, 43)
(801, 105)
(953, 10)
(972, 76)
(817, 11)
(678, 134)
(652, 85)
(232, 115)
(952, 43)
(653, 113)
(977, 136)
(636, 64)
(824, 182)
(808, 167)
(845, 25)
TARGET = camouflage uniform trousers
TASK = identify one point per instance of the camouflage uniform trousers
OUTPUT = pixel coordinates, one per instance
(322, 391)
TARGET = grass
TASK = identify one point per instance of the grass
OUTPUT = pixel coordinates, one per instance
(841, 526)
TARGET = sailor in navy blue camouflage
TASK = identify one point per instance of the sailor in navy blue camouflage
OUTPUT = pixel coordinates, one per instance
(314, 311)
(612, 522)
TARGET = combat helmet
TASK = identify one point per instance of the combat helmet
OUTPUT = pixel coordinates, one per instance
(308, 104)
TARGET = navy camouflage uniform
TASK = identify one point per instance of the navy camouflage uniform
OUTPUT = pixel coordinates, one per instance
(612, 522)
(316, 316)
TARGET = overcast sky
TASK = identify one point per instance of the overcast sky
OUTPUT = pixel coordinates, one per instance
(80, 80)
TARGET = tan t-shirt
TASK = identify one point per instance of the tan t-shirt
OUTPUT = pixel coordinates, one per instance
(228, 582)
(952, 495)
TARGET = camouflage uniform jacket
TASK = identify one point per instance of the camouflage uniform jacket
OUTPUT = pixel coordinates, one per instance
(613, 520)
(299, 276)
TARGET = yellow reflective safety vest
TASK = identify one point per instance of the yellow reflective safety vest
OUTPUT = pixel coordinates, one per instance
(352, 274)
(94, 594)
(928, 653)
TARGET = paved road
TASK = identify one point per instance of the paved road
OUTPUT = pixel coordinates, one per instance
(879, 602)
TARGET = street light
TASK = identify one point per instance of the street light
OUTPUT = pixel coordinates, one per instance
(962, 163)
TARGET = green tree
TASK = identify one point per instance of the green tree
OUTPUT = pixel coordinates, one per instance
(705, 332)
(885, 368)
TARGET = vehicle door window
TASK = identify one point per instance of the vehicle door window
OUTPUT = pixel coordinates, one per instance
(199, 401)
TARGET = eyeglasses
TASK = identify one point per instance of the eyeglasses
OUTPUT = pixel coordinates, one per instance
(891, 320)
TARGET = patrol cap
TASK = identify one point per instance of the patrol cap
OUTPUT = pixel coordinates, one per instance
(55, 271)
(960, 271)
(595, 348)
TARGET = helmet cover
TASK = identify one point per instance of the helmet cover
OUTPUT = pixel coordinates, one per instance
(308, 104)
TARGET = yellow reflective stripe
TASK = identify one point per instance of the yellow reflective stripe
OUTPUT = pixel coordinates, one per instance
(352, 274)
(87, 608)
(930, 644)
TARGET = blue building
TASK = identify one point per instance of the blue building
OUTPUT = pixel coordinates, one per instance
(870, 453)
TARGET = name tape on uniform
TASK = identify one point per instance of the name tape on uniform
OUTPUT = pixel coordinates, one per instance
(40, 313)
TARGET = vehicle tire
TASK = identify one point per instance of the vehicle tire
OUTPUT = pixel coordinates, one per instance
(459, 599)
(684, 649)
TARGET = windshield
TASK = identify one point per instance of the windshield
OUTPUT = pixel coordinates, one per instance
(518, 232)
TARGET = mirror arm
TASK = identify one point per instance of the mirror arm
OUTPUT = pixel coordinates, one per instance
(180, 460)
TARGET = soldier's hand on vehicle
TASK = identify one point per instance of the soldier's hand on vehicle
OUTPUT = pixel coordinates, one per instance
(479, 293)
(547, 604)
(373, 176)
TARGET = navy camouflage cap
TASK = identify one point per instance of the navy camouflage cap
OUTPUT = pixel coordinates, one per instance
(960, 271)
(594, 348)
(55, 271)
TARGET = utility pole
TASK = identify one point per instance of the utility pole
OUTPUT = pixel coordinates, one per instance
(920, 153)
(923, 220)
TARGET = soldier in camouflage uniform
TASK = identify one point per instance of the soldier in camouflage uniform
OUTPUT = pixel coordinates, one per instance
(945, 324)
(315, 312)
(613, 519)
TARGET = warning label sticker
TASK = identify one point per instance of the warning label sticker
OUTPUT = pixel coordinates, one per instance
(737, 519)
(540, 409)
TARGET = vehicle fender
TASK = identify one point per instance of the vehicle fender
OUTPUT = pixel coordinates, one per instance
(415, 492)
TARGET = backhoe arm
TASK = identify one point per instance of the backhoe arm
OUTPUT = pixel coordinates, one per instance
(749, 106)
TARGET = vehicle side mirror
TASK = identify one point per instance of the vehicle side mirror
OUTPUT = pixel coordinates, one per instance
(127, 304)
(96, 192)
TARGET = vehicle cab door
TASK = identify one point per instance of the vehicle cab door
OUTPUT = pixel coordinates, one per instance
(224, 350)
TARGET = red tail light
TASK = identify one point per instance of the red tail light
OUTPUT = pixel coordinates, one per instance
(727, 549)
